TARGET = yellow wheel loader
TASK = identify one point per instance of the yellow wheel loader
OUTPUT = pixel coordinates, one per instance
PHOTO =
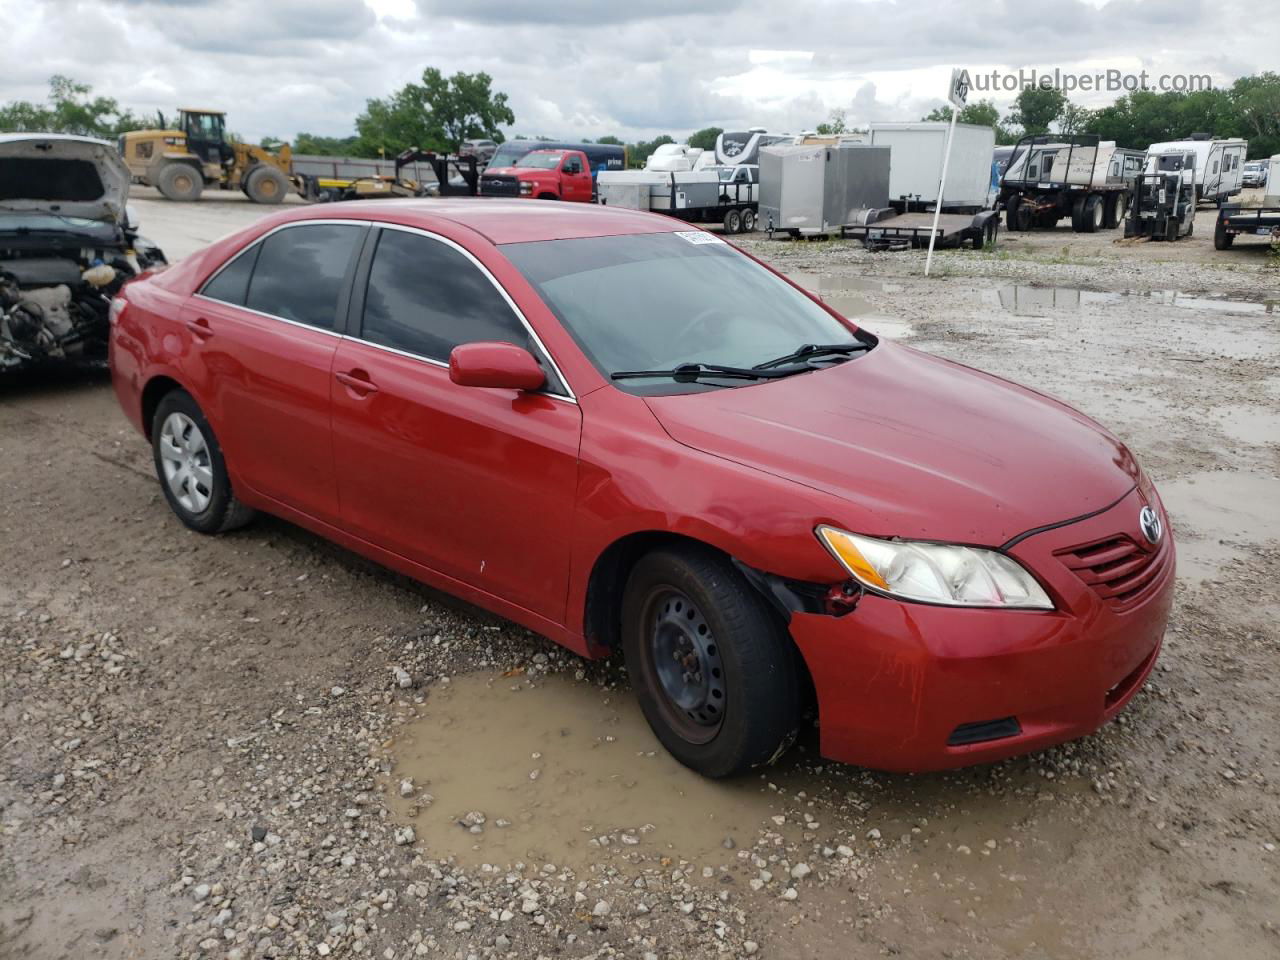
(180, 162)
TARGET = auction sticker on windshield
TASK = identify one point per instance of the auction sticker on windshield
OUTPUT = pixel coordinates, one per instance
(698, 236)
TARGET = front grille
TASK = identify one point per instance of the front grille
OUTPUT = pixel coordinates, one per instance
(499, 186)
(1118, 568)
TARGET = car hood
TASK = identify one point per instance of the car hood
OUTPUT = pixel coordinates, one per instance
(918, 446)
(63, 175)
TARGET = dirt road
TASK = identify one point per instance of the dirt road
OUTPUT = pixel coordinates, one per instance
(259, 745)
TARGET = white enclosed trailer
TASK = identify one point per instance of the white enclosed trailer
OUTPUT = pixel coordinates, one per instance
(1219, 164)
(915, 163)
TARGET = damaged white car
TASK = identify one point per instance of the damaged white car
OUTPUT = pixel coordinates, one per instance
(67, 244)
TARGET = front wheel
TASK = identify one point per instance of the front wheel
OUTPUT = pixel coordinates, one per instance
(732, 222)
(189, 463)
(713, 669)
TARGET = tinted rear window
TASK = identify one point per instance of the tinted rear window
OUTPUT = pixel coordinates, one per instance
(300, 272)
(51, 178)
(231, 283)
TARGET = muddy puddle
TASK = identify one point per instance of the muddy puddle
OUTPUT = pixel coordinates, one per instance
(1033, 301)
(1219, 516)
(506, 770)
(847, 296)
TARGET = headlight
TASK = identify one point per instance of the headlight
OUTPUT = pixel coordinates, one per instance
(935, 572)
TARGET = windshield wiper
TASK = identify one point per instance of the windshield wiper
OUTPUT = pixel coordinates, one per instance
(805, 351)
(689, 372)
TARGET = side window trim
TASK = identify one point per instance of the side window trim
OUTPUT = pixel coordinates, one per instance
(355, 312)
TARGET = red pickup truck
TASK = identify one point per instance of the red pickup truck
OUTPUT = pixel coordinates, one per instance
(542, 175)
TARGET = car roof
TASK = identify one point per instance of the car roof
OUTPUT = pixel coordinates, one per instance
(512, 221)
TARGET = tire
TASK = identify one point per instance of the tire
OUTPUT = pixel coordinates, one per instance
(547, 196)
(1011, 214)
(1221, 239)
(733, 222)
(743, 711)
(1113, 211)
(979, 238)
(1077, 214)
(180, 181)
(1092, 216)
(190, 467)
(266, 184)
(748, 221)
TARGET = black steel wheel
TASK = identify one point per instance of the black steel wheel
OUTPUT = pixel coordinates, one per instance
(712, 666)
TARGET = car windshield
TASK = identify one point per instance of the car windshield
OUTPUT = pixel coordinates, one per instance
(543, 161)
(655, 301)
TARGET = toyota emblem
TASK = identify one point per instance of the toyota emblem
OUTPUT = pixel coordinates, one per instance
(1151, 526)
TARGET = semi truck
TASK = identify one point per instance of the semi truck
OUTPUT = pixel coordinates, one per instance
(1054, 176)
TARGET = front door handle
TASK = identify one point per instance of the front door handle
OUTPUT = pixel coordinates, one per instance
(357, 381)
(200, 327)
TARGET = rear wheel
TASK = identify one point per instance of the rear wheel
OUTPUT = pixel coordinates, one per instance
(732, 222)
(180, 181)
(1116, 207)
(189, 463)
(1011, 214)
(1077, 214)
(266, 184)
(713, 669)
(1092, 215)
(748, 221)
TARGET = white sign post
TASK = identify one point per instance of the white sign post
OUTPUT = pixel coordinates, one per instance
(958, 94)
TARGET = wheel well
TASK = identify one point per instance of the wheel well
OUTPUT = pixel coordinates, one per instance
(608, 580)
(152, 394)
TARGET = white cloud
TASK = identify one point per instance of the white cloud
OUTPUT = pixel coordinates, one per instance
(585, 68)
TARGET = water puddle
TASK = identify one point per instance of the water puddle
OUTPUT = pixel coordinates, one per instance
(845, 295)
(1027, 300)
(508, 770)
(1216, 515)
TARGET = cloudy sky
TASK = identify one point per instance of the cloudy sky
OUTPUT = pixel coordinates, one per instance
(634, 68)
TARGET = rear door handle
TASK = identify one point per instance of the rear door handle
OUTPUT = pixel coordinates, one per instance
(200, 327)
(357, 381)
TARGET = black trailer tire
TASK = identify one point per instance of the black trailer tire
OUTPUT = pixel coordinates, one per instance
(180, 181)
(1011, 211)
(738, 705)
(190, 467)
(266, 184)
(748, 221)
(1091, 217)
(1116, 207)
(1077, 214)
(733, 221)
(1222, 240)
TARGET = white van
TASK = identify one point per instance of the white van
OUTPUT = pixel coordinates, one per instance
(1219, 164)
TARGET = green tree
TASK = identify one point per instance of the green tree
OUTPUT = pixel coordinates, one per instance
(1036, 108)
(705, 138)
(1073, 119)
(436, 114)
(638, 153)
(982, 113)
(70, 109)
(1256, 103)
(833, 125)
(309, 143)
(611, 140)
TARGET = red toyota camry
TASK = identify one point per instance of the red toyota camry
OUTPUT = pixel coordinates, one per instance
(629, 435)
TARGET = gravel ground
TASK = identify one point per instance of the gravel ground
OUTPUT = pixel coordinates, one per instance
(208, 737)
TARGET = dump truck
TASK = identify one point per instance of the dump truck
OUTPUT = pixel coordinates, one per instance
(182, 160)
(1052, 176)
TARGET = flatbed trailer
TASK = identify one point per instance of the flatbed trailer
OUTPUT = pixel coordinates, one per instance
(1053, 176)
(1236, 221)
(902, 230)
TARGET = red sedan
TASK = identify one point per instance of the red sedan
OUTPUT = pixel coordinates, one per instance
(628, 435)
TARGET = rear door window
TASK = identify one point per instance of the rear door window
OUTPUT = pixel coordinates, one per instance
(301, 272)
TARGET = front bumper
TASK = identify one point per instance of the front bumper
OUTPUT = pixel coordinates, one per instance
(911, 687)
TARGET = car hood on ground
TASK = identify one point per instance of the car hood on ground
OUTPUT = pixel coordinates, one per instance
(68, 176)
(919, 447)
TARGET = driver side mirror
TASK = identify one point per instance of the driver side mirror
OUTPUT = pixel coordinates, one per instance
(501, 366)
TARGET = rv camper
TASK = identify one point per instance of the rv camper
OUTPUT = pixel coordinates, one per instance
(1219, 164)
